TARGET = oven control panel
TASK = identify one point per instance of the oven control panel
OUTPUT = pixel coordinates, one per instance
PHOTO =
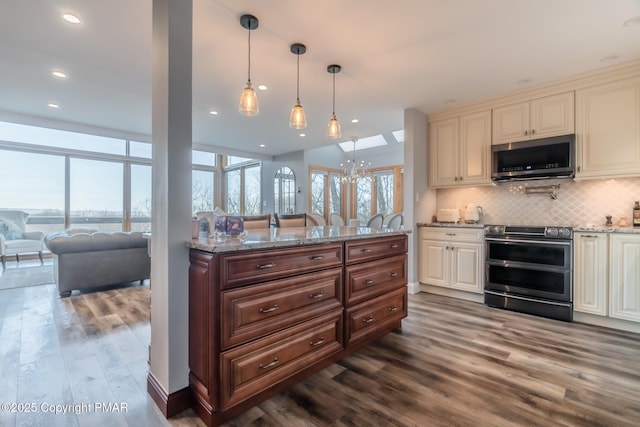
(528, 231)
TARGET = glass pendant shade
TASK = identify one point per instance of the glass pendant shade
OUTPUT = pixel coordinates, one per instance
(333, 128)
(248, 104)
(298, 119)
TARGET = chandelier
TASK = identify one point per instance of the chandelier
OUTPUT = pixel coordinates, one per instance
(352, 170)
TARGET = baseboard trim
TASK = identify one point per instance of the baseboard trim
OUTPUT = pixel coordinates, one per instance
(170, 404)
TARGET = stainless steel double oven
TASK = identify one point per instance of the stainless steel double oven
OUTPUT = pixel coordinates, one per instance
(530, 269)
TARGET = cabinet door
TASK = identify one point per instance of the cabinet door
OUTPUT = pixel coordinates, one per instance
(552, 116)
(511, 123)
(475, 148)
(443, 153)
(434, 263)
(466, 267)
(608, 129)
(624, 276)
(590, 273)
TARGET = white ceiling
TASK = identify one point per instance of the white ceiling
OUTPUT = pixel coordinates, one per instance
(425, 54)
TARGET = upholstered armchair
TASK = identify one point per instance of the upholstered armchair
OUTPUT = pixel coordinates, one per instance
(15, 240)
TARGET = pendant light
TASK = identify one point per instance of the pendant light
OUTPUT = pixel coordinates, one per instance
(333, 128)
(248, 104)
(298, 120)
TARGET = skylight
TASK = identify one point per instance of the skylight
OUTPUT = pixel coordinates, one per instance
(363, 144)
(398, 135)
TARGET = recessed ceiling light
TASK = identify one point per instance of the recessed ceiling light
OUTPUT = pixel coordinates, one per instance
(610, 58)
(262, 145)
(53, 105)
(59, 74)
(354, 120)
(632, 22)
(303, 135)
(262, 87)
(213, 112)
(524, 81)
(71, 18)
(449, 101)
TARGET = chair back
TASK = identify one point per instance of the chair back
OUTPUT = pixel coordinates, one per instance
(394, 222)
(335, 219)
(315, 219)
(256, 222)
(375, 221)
(294, 220)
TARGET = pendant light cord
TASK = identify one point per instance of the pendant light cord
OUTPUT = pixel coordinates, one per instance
(334, 93)
(298, 78)
(249, 55)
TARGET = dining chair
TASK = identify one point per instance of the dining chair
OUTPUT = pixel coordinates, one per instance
(335, 219)
(292, 220)
(375, 221)
(256, 222)
(315, 219)
(393, 221)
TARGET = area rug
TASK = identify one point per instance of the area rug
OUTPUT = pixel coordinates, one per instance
(21, 277)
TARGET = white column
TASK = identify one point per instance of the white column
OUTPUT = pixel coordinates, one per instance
(419, 201)
(171, 221)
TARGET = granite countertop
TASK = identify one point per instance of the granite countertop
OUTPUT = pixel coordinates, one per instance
(450, 224)
(280, 237)
(607, 229)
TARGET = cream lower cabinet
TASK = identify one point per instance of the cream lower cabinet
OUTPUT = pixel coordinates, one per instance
(607, 274)
(451, 258)
(590, 278)
(608, 130)
(624, 276)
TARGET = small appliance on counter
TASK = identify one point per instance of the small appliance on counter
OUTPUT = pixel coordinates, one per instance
(472, 214)
(448, 215)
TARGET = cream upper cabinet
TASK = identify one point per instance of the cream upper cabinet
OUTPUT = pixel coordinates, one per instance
(452, 258)
(459, 150)
(608, 130)
(624, 276)
(590, 273)
(538, 118)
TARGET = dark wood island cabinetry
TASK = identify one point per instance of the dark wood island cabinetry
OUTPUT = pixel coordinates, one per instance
(263, 318)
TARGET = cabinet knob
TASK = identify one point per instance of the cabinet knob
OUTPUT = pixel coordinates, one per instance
(460, 179)
(526, 133)
(578, 168)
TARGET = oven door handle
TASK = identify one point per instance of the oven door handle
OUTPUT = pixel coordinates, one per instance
(529, 242)
(520, 297)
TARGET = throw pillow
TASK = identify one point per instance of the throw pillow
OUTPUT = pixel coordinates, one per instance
(10, 230)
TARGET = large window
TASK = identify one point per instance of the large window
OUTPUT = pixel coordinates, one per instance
(284, 191)
(243, 187)
(380, 192)
(140, 219)
(325, 193)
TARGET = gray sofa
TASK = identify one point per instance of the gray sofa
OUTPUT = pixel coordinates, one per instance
(86, 260)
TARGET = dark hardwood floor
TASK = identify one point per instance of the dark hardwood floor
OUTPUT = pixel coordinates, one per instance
(454, 363)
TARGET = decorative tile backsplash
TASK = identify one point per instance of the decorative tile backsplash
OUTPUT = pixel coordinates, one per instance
(578, 203)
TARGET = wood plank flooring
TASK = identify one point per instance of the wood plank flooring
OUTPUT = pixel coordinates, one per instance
(454, 363)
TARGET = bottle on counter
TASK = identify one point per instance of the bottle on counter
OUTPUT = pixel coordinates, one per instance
(636, 214)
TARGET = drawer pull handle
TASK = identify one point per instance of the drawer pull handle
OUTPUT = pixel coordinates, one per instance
(368, 319)
(589, 236)
(365, 250)
(395, 246)
(450, 234)
(269, 310)
(393, 309)
(316, 257)
(394, 274)
(367, 282)
(316, 296)
(270, 365)
(317, 343)
(263, 266)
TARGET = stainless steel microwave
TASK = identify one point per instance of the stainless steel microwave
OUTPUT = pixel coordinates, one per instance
(535, 159)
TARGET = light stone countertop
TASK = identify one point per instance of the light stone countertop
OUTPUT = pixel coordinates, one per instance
(294, 236)
(607, 229)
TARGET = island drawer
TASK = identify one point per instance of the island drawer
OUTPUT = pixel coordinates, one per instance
(371, 316)
(366, 280)
(253, 367)
(254, 311)
(368, 249)
(243, 268)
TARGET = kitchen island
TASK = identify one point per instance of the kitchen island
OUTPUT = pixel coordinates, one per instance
(269, 308)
